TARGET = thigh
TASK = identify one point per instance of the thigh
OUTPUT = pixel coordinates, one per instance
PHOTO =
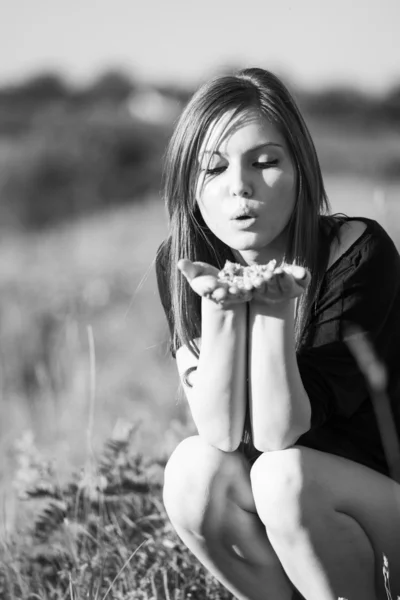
(369, 497)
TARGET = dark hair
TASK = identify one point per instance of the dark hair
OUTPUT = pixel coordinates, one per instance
(310, 227)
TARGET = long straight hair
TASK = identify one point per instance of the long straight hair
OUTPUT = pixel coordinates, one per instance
(310, 229)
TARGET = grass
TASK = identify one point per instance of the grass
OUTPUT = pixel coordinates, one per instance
(84, 370)
(102, 534)
(80, 536)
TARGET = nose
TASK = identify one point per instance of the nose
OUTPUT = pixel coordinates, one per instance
(240, 185)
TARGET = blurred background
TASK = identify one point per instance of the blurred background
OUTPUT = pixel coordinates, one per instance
(89, 93)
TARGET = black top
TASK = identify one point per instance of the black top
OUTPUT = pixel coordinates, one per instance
(362, 287)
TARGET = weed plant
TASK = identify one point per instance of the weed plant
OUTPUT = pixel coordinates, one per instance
(104, 534)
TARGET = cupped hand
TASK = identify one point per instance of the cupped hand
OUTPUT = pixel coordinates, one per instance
(203, 279)
(284, 283)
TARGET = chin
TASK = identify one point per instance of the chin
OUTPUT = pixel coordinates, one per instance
(248, 242)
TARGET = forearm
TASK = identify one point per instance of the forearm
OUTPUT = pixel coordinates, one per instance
(218, 398)
(279, 405)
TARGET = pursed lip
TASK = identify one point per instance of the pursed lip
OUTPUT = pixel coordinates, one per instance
(247, 213)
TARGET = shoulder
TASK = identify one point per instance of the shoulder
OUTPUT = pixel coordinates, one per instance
(348, 234)
(363, 242)
(370, 282)
(362, 287)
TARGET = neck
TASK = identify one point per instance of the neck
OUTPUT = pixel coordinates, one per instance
(258, 257)
(261, 256)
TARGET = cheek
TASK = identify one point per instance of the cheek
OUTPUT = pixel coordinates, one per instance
(207, 199)
(282, 186)
(282, 180)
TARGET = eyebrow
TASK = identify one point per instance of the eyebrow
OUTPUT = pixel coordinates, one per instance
(247, 151)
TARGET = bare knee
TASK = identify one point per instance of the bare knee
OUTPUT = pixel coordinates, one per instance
(285, 492)
(197, 480)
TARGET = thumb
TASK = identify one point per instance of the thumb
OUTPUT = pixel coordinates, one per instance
(187, 268)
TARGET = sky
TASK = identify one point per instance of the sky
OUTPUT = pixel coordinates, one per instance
(313, 43)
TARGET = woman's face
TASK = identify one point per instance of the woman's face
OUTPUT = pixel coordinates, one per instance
(250, 173)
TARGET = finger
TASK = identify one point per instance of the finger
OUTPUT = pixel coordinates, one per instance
(298, 272)
(267, 275)
(195, 269)
(234, 291)
(187, 268)
(219, 294)
(288, 285)
(239, 298)
(204, 284)
(284, 282)
(259, 284)
(305, 279)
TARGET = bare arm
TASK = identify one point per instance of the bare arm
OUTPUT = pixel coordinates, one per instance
(279, 406)
(217, 399)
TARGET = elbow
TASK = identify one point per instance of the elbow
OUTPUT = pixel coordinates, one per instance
(225, 445)
(228, 443)
(221, 432)
(272, 445)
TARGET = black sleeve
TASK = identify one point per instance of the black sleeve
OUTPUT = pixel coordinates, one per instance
(364, 291)
(162, 270)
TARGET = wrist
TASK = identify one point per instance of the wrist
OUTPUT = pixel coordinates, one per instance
(279, 310)
(209, 306)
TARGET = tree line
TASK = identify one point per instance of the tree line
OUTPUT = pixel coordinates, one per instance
(67, 150)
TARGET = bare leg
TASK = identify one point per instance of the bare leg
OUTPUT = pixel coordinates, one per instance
(208, 498)
(329, 520)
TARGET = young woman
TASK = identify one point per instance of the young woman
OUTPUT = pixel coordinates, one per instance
(286, 490)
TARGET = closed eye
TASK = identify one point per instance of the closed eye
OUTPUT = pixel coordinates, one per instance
(215, 171)
(265, 165)
(257, 165)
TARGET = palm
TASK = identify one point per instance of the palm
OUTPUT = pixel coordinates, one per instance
(203, 279)
(281, 284)
(284, 283)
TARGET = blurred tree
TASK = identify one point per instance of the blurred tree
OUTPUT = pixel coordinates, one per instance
(338, 103)
(181, 94)
(41, 89)
(65, 151)
(80, 162)
(390, 106)
(19, 103)
(112, 86)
